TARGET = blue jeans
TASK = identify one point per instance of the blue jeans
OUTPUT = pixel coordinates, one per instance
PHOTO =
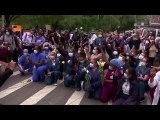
(143, 87)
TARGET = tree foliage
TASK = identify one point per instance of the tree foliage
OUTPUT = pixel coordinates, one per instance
(88, 22)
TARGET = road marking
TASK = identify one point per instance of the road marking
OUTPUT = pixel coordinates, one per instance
(13, 88)
(39, 95)
(15, 73)
(76, 98)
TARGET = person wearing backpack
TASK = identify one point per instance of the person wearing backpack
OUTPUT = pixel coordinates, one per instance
(28, 41)
(8, 39)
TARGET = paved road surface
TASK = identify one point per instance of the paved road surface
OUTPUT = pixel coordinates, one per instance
(19, 91)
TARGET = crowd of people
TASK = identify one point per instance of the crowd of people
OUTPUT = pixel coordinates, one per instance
(115, 66)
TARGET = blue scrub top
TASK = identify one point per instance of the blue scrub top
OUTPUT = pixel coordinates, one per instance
(37, 58)
(22, 60)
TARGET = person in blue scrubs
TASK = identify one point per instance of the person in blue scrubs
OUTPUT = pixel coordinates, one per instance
(23, 62)
(69, 68)
(46, 50)
(40, 39)
(37, 60)
(80, 72)
(95, 86)
(53, 69)
(143, 72)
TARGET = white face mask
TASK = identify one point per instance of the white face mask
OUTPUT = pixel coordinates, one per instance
(70, 54)
(25, 54)
(7, 33)
(94, 51)
(58, 55)
(110, 68)
(127, 57)
(79, 51)
(82, 61)
(125, 75)
(115, 53)
(91, 65)
(46, 48)
(35, 51)
(140, 57)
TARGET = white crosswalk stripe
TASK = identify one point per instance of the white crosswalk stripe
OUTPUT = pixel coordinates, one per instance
(76, 98)
(39, 95)
(15, 73)
(13, 88)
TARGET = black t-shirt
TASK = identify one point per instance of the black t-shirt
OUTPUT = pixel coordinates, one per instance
(135, 43)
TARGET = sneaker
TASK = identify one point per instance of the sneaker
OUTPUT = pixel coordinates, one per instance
(55, 84)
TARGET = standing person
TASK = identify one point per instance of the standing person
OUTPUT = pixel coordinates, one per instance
(91, 41)
(4, 53)
(100, 42)
(8, 38)
(18, 47)
(28, 41)
(127, 89)
(152, 51)
(154, 81)
(134, 40)
(40, 39)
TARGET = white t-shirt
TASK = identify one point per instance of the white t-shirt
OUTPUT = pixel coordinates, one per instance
(94, 36)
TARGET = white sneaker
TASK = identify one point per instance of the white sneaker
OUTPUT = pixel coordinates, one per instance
(55, 84)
